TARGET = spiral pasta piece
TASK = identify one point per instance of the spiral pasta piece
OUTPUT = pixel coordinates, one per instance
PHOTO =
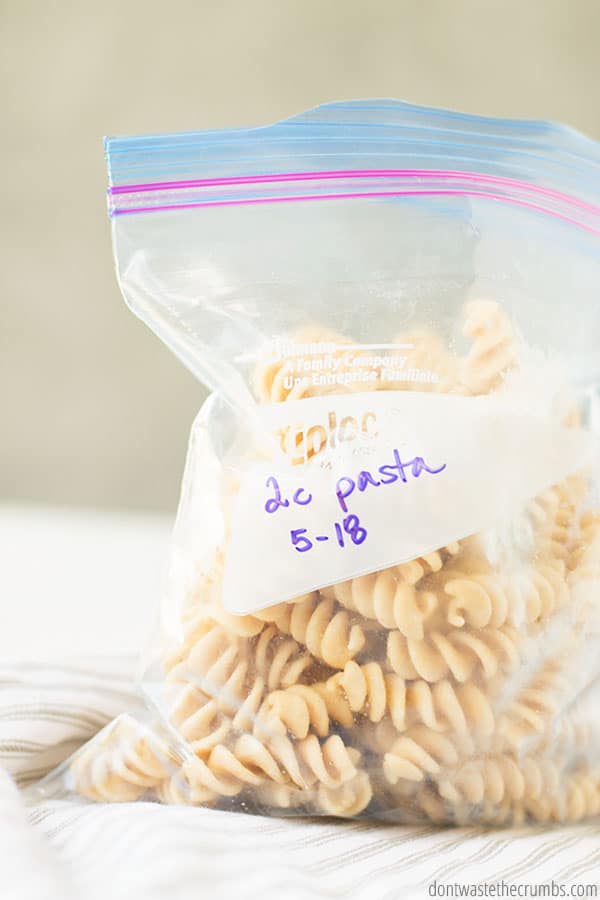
(306, 762)
(241, 626)
(199, 720)
(204, 721)
(528, 715)
(582, 797)
(123, 762)
(508, 789)
(198, 627)
(297, 709)
(348, 800)
(476, 599)
(228, 770)
(369, 690)
(554, 514)
(414, 570)
(457, 653)
(441, 706)
(219, 775)
(330, 763)
(391, 596)
(392, 602)
(284, 796)
(326, 631)
(418, 754)
(479, 599)
(584, 558)
(493, 350)
(176, 791)
(221, 677)
(487, 780)
(225, 674)
(279, 660)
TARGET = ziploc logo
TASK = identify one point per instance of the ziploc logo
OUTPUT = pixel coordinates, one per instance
(300, 442)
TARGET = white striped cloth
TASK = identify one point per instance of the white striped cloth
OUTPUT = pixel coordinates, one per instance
(63, 849)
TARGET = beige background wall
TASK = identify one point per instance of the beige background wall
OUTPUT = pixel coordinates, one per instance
(93, 410)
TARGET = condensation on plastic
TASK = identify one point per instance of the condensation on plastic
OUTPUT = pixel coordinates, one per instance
(459, 258)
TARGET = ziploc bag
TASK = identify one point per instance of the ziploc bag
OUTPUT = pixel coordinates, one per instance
(384, 584)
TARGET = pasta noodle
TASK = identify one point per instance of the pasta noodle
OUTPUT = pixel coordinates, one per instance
(347, 800)
(300, 709)
(482, 599)
(199, 720)
(279, 660)
(505, 789)
(328, 633)
(529, 714)
(493, 351)
(416, 569)
(371, 692)
(459, 653)
(122, 763)
(386, 599)
(419, 753)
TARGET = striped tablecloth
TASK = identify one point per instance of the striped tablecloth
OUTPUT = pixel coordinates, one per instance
(58, 850)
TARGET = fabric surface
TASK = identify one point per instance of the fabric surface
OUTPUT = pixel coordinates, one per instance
(63, 849)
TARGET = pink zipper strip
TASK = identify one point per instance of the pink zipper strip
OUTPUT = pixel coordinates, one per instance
(247, 201)
(347, 174)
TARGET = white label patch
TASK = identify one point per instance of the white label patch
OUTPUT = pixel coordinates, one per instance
(374, 479)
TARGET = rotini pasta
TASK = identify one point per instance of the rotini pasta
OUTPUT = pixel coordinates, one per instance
(385, 598)
(280, 660)
(199, 720)
(347, 800)
(493, 350)
(480, 599)
(123, 763)
(414, 570)
(507, 789)
(328, 632)
(217, 669)
(583, 561)
(419, 753)
(300, 709)
(457, 653)
(537, 703)
(370, 692)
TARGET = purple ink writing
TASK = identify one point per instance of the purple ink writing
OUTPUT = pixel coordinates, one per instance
(299, 499)
(273, 503)
(301, 496)
(386, 474)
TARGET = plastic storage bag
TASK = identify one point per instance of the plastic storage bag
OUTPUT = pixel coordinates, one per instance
(384, 585)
